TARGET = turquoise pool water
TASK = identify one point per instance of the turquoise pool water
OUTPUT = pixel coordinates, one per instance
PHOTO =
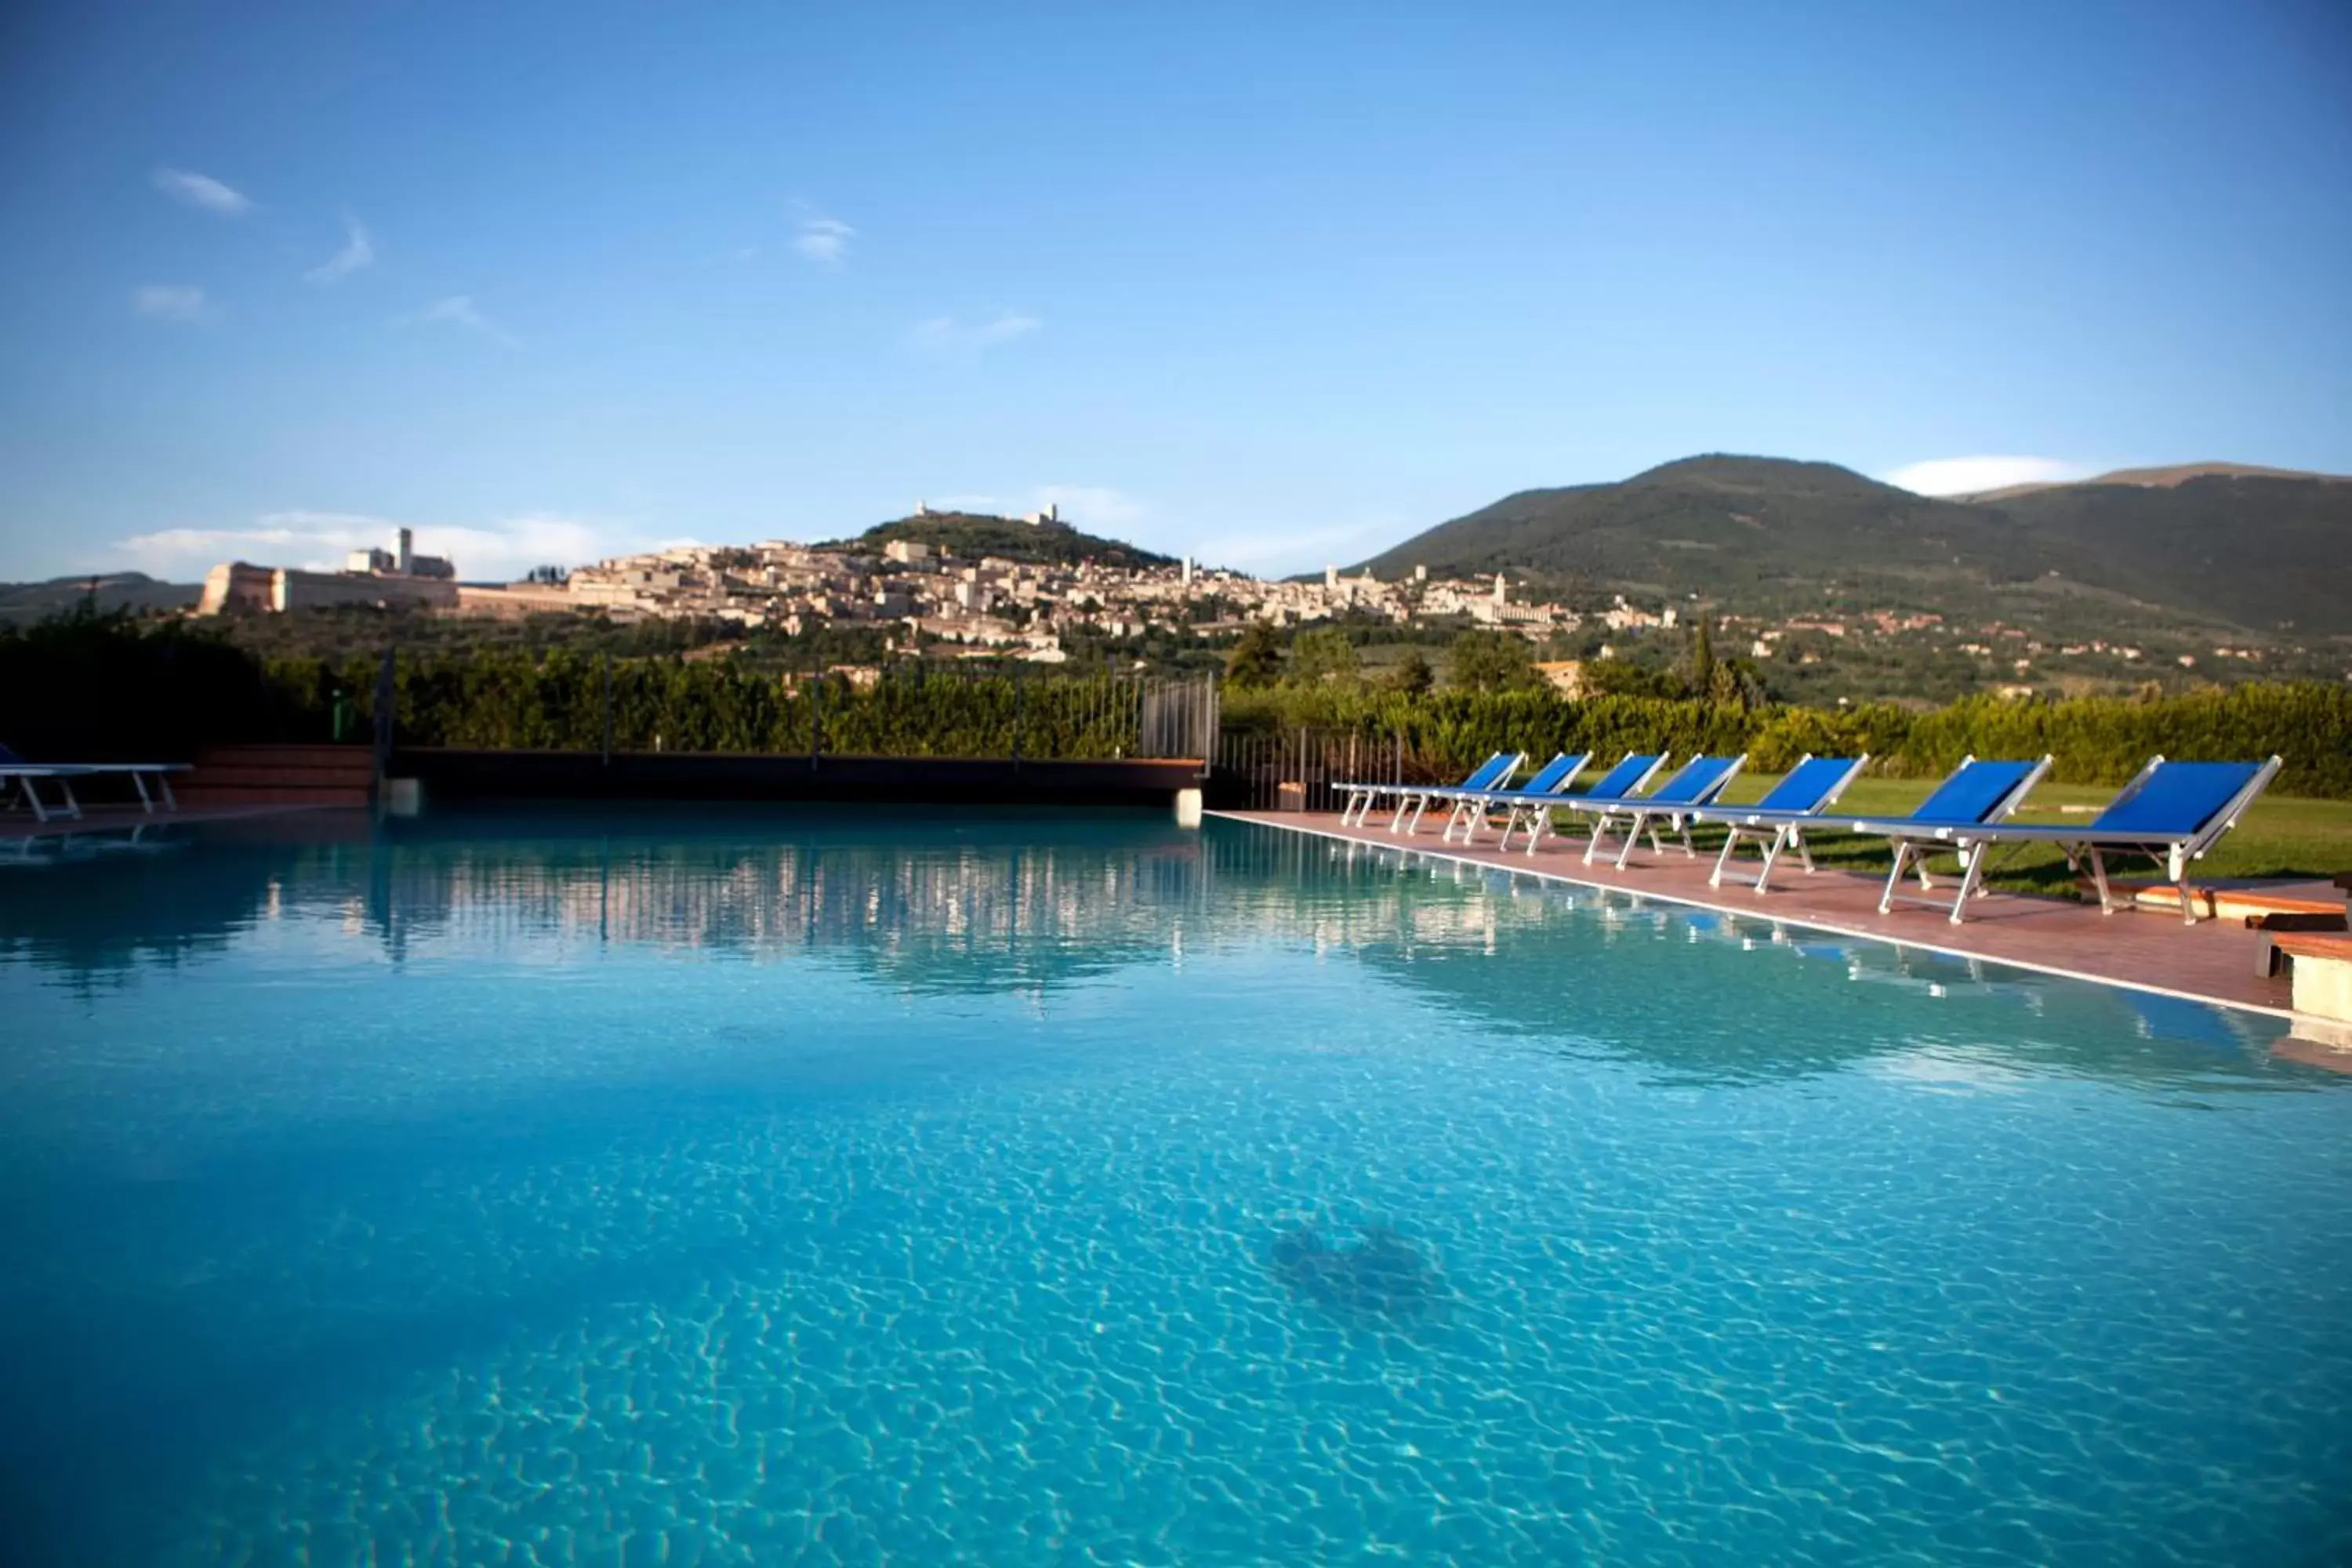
(751, 1188)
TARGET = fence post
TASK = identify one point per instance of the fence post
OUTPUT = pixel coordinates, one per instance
(386, 705)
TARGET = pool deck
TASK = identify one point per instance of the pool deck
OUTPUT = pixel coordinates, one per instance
(2211, 962)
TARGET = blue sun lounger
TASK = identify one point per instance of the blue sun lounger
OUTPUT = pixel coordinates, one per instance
(1777, 823)
(1358, 807)
(1695, 785)
(1536, 811)
(1488, 774)
(1471, 806)
(2170, 813)
(1975, 797)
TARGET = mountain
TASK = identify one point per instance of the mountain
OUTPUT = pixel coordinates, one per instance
(2178, 473)
(107, 591)
(2245, 548)
(2240, 549)
(972, 535)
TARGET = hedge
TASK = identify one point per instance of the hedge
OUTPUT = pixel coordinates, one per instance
(2095, 740)
(98, 686)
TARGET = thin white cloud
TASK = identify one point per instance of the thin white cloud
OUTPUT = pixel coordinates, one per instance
(1967, 476)
(1093, 506)
(500, 551)
(822, 239)
(949, 339)
(171, 301)
(1274, 550)
(201, 191)
(458, 310)
(358, 252)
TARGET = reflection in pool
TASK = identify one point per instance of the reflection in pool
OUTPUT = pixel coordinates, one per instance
(568, 1187)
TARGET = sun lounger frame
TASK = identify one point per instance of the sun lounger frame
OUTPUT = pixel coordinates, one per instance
(1913, 842)
(2171, 853)
(1471, 806)
(1635, 816)
(1489, 773)
(1775, 832)
(23, 774)
(1537, 813)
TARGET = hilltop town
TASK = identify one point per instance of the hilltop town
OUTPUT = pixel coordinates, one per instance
(1050, 587)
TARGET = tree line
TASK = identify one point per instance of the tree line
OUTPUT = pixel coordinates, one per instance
(97, 687)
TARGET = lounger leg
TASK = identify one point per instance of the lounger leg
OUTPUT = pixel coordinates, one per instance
(171, 801)
(1731, 842)
(1797, 842)
(1635, 826)
(2099, 880)
(1538, 820)
(2177, 863)
(146, 805)
(1972, 861)
(1771, 853)
(73, 802)
(1895, 877)
(33, 793)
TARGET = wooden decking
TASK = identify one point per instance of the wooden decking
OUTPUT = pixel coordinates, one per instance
(2212, 962)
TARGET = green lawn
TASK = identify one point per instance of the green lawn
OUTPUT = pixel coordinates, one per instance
(2280, 835)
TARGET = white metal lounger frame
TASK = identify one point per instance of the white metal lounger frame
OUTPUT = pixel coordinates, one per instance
(1357, 810)
(1912, 848)
(1471, 806)
(1637, 816)
(22, 774)
(1419, 795)
(1539, 819)
(2172, 853)
(1775, 832)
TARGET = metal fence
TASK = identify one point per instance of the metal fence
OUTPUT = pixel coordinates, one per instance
(1176, 718)
(1300, 769)
(911, 709)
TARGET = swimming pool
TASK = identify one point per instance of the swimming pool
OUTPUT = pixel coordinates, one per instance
(1003, 1188)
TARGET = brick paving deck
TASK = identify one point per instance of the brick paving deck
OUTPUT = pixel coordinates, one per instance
(2211, 962)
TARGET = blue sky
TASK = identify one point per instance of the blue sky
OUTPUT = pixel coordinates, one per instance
(1274, 285)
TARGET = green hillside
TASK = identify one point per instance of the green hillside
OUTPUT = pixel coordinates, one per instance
(972, 535)
(1763, 533)
(2268, 555)
(25, 603)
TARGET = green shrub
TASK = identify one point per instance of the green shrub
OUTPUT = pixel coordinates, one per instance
(99, 686)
